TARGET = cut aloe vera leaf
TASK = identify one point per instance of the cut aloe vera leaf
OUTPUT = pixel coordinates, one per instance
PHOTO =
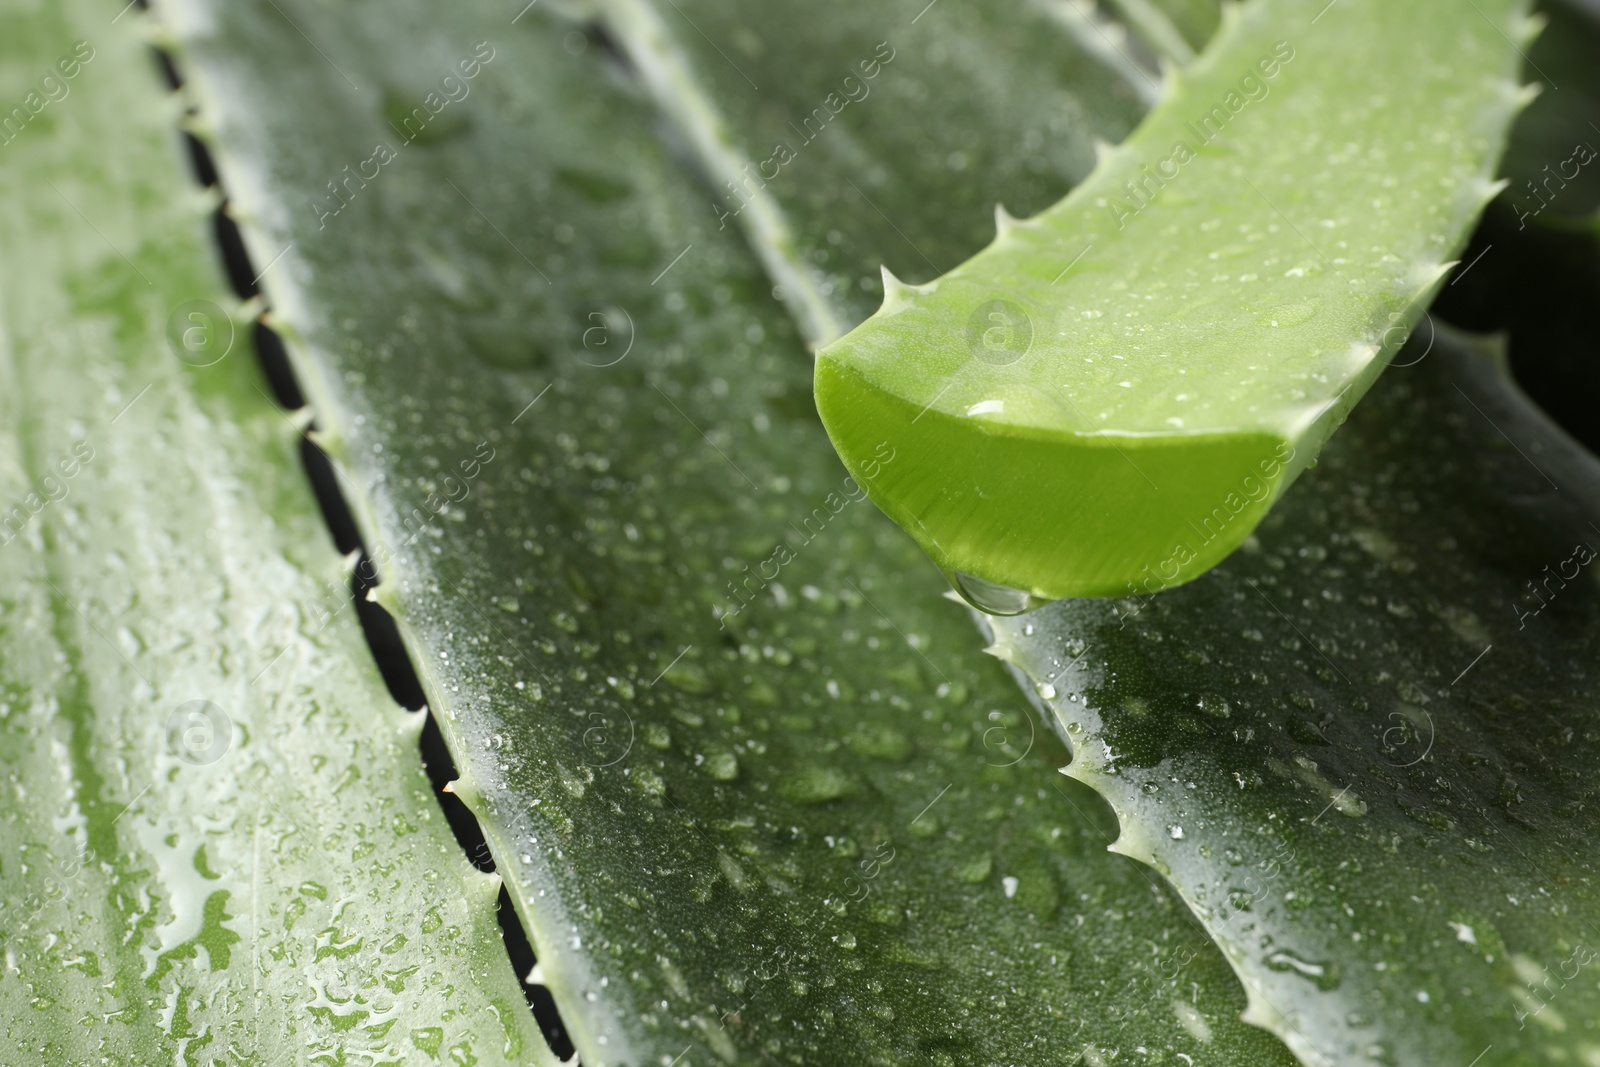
(1364, 748)
(1109, 397)
(217, 843)
(782, 830)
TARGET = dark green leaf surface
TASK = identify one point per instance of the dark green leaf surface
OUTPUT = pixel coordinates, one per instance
(816, 827)
(217, 845)
(852, 117)
(1194, 20)
(1535, 259)
(1363, 749)
(1553, 160)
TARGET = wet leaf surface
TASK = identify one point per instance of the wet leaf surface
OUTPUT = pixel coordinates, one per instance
(757, 793)
(1362, 749)
(217, 843)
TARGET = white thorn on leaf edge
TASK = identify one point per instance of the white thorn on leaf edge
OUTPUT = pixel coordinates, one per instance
(1004, 221)
(896, 293)
(1531, 27)
(1171, 75)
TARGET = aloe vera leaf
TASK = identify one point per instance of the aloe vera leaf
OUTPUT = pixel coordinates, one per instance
(1271, 865)
(1361, 749)
(1552, 163)
(1533, 266)
(768, 115)
(1536, 283)
(1156, 28)
(1195, 20)
(217, 844)
(1110, 396)
(792, 839)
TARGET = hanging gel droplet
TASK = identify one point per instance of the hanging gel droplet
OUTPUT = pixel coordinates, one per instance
(993, 599)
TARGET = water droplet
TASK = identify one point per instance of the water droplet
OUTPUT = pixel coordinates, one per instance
(1427, 816)
(1175, 832)
(816, 785)
(977, 870)
(722, 766)
(1323, 974)
(1286, 316)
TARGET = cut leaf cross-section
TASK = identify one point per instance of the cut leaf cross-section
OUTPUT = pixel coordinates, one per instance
(1109, 397)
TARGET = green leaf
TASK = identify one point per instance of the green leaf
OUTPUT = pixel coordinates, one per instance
(1533, 266)
(777, 824)
(1173, 29)
(901, 107)
(1109, 397)
(1279, 863)
(1552, 162)
(1363, 748)
(1270, 865)
(217, 843)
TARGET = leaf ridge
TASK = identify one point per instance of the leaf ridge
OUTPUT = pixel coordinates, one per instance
(638, 27)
